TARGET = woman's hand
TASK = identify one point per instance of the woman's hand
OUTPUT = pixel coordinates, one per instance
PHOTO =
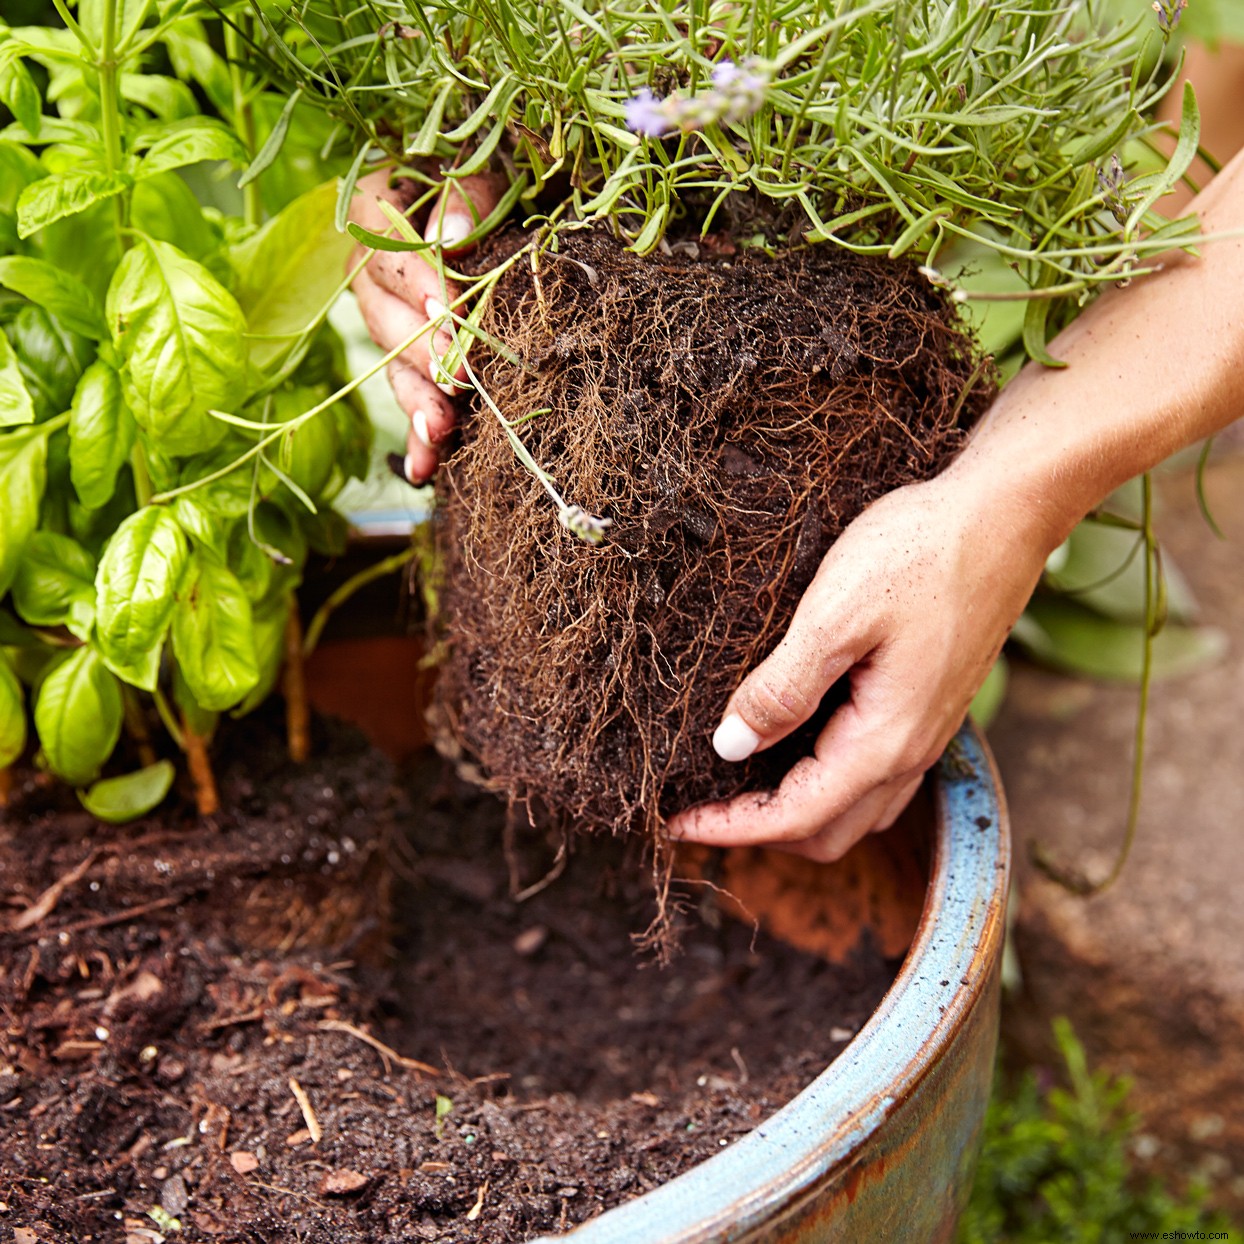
(399, 293)
(912, 603)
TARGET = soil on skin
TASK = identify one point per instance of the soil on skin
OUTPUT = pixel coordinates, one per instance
(164, 1056)
(730, 414)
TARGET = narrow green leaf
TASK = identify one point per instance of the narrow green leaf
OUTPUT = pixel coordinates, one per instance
(379, 242)
(272, 146)
(16, 408)
(136, 588)
(64, 194)
(78, 716)
(56, 291)
(213, 636)
(425, 141)
(120, 799)
(1035, 316)
(345, 192)
(23, 476)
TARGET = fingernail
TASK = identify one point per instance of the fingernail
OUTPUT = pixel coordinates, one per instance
(419, 425)
(436, 309)
(451, 389)
(452, 230)
(734, 739)
(401, 467)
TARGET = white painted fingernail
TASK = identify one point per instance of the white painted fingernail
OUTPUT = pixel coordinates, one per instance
(734, 739)
(451, 389)
(436, 309)
(419, 425)
(452, 229)
(408, 465)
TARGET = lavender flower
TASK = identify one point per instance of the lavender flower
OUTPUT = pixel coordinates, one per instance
(736, 93)
(647, 115)
(589, 528)
(1169, 12)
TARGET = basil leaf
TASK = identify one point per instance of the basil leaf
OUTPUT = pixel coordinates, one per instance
(200, 522)
(165, 97)
(181, 335)
(64, 194)
(101, 435)
(78, 716)
(309, 453)
(213, 638)
(56, 291)
(289, 270)
(136, 588)
(120, 799)
(203, 140)
(23, 477)
(194, 60)
(269, 618)
(164, 207)
(12, 715)
(17, 88)
(55, 583)
(52, 359)
(15, 404)
(18, 168)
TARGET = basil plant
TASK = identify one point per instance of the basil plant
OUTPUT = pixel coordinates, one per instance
(173, 426)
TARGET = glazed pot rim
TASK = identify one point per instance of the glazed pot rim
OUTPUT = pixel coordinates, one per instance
(944, 974)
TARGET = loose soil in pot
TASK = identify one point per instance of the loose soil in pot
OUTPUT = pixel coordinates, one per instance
(164, 1055)
(730, 413)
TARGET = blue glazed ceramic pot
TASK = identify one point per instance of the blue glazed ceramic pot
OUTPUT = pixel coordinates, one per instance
(880, 1147)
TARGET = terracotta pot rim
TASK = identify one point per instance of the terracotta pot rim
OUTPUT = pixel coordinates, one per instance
(946, 973)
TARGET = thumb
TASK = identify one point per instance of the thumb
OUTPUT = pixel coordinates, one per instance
(460, 209)
(781, 693)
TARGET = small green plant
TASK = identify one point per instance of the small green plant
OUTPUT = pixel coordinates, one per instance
(1056, 1167)
(173, 426)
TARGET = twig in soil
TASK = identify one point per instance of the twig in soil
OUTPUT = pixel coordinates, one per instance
(117, 917)
(387, 1053)
(6, 785)
(294, 684)
(195, 745)
(474, 1212)
(308, 1113)
(42, 907)
(227, 1021)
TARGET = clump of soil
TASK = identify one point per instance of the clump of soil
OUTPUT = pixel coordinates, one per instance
(514, 1070)
(730, 414)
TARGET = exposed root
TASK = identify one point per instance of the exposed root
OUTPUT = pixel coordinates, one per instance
(294, 685)
(730, 415)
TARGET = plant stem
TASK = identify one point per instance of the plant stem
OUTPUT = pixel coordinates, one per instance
(136, 724)
(206, 798)
(297, 716)
(346, 590)
(110, 113)
(6, 786)
(243, 119)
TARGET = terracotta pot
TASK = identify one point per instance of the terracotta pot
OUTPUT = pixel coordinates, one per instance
(882, 1145)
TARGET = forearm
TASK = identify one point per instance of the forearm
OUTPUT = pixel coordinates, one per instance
(1150, 369)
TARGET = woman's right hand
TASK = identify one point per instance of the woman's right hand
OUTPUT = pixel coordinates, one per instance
(400, 292)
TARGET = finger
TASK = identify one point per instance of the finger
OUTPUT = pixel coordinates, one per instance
(430, 420)
(392, 320)
(786, 688)
(840, 835)
(418, 287)
(464, 203)
(907, 792)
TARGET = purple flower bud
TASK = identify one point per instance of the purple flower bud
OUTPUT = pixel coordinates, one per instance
(647, 115)
(725, 73)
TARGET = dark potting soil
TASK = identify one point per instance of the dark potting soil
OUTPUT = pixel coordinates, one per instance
(201, 1023)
